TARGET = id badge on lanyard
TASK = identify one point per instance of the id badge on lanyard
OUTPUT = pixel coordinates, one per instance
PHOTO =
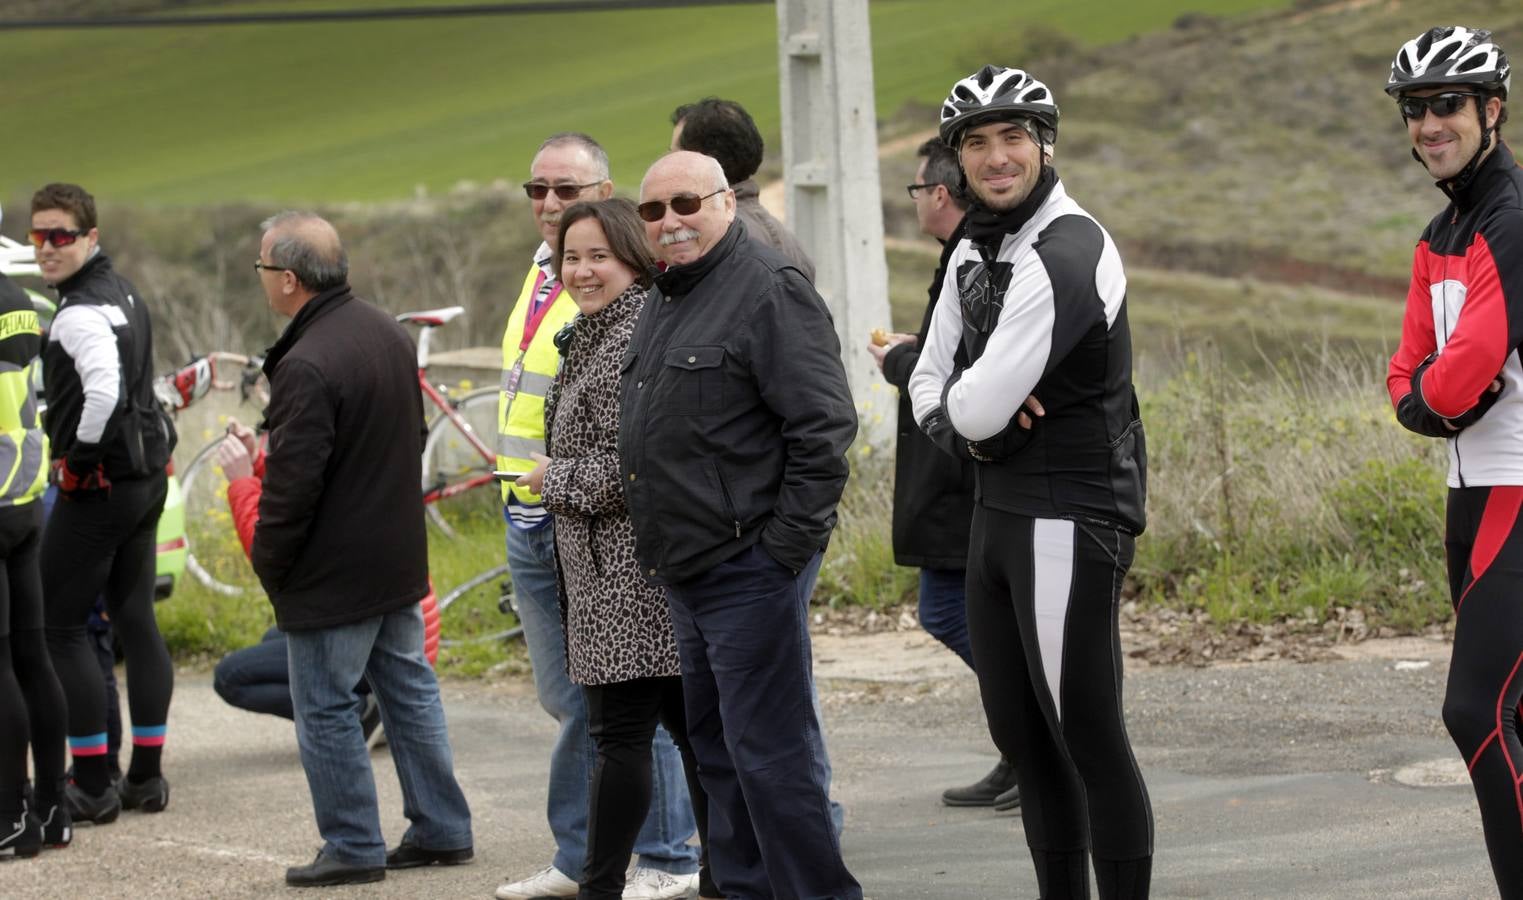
(510, 385)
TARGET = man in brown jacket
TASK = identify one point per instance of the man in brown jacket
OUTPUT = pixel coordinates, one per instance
(340, 548)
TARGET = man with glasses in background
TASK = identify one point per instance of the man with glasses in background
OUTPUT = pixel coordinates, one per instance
(1456, 376)
(933, 491)
(569, 167)
(345, 439)
(734, 427)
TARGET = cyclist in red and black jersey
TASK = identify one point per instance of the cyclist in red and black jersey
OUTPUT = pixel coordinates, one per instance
(1456, 375)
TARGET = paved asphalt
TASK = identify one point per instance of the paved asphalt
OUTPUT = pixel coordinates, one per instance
(1268, 780)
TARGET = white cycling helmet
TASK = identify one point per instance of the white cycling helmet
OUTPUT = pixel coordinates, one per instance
(993, 94)
(1448, 55)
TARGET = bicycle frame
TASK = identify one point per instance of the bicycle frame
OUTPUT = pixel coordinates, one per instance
(428, 321)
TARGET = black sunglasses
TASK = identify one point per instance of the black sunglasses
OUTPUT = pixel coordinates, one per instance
(538, 190)
(1443, 105)
(912, 188)
(682, 205)
(259, 266)
(58, 237)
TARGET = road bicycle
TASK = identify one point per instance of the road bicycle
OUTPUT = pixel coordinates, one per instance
(459, 492)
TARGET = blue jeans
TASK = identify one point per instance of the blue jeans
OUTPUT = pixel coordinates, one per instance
(743, 635)
(325, 665)
(663, 840)
(944, 609)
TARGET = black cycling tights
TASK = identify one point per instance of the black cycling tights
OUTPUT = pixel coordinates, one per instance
(31, 701)
(1042, 605)
(1484, 542)
(89, 548)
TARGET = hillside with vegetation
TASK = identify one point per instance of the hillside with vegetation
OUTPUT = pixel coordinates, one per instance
(1251, 169)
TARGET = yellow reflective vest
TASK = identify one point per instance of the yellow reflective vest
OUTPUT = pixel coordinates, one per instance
(23, 445)
(521, 407)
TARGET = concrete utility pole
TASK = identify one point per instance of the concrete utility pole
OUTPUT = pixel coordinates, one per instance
(830, 172)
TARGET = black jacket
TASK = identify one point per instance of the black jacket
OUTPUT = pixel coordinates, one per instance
(138, 436)
(340, 535)
(933, 491)
(735, 414)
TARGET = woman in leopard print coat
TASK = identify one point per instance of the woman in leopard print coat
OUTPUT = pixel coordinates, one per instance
(620, 645)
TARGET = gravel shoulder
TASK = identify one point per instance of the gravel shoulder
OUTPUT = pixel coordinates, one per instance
(1331, 778)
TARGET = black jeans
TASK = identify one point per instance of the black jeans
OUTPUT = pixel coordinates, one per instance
(743, 636)
(621, 718)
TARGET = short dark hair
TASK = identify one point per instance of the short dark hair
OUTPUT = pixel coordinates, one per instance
(942, 167)
(71, 198)
(621, 225)
(724, 130)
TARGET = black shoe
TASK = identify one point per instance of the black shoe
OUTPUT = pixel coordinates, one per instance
(83, 807)
(20, 836)
(57, 827)
(326, 871)
(986, 790)
(150, 796)
(370, 723)
(411, 856)
(1009, 800)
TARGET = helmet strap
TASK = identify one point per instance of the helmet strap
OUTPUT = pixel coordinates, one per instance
(1462, 179)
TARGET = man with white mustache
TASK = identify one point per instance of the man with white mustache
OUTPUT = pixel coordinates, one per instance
(569, 167)
(734, 426)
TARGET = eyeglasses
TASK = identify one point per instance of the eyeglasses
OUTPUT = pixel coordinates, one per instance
(1443, 105)
(262, 267)
(58, 237)
(682, 205)
(912, 188)
(538, 190)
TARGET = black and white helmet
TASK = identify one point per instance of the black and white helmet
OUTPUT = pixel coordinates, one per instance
(995, 93)
(1448, 55)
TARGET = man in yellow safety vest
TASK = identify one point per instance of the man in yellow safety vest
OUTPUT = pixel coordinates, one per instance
(568, 167)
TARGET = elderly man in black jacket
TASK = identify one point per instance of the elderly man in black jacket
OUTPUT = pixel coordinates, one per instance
(340, 548)
(733, 436)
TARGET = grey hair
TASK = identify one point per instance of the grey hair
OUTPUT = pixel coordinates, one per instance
(318, 268)
(586, 142)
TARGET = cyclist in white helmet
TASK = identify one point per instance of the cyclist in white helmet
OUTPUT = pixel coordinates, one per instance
(1456, 376)
(1040, 309)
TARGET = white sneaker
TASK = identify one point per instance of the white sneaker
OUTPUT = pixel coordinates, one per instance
(653, 884)
(547, 882)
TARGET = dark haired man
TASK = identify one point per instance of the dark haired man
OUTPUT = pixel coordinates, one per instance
(340, 549)
(110, 443)
(724, 130)
(1456, 376)
(933, 492)
(1041, 310)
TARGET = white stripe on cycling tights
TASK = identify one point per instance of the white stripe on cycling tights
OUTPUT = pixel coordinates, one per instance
(1052, 555)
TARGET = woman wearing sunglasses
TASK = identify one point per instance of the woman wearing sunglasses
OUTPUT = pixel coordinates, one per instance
(110, 444)
(620, 645)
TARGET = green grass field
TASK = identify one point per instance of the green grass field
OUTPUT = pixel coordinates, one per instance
(370, 111)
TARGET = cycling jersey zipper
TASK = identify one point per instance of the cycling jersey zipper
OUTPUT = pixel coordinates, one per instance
(1459, 469)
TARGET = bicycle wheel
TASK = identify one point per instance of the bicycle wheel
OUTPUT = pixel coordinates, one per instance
(479, 611)
(216, 557)
(460, 494)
